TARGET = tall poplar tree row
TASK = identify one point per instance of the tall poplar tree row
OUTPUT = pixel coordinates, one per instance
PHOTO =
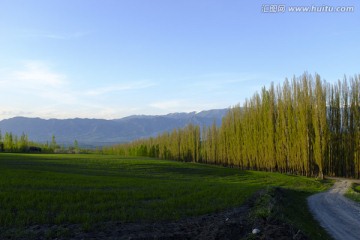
(304, 126)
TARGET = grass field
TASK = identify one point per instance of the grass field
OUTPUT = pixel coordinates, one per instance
(85, 189)
(354, 192)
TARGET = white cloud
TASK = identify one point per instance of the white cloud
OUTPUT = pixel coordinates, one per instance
(52, 35)
(166, 105)
(182, 105)
(119, 87)
(65, 36)
(34, 83)
(37, 89)
(7, 112)
(37, 75)
(224, 81)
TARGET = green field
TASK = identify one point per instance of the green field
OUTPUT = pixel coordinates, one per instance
(354, 192)
(84, 189)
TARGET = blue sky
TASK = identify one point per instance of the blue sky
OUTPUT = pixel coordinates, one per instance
(110, 59)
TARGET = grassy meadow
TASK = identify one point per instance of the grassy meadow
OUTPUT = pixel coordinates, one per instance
(84, 189)
(354, 192)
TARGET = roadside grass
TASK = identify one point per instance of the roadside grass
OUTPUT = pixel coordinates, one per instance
(287, 206)
(294, 210)
(354, 192)
(37, 189)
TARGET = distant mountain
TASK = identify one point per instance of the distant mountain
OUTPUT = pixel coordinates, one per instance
(98, 132)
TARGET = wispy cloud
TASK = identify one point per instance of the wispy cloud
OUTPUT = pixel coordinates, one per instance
(7, 112)
(66, 36)
(120, 87)
(181, 105)
(166, 105)
(218, 81)
(36, 88)
(53, 35)
(37, 80)
(36, 74)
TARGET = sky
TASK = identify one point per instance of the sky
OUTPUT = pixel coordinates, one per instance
(114, 58)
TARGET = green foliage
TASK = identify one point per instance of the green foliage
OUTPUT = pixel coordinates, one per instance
(22, 144)
(354, 192)
(13, 143)
(304, 126)
(263, 206)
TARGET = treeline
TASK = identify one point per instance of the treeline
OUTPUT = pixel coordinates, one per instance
(13, 143)
(305, 126)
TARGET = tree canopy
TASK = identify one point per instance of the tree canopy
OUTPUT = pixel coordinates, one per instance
(304, 126)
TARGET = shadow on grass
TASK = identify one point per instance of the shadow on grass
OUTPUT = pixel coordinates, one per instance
(295, 210)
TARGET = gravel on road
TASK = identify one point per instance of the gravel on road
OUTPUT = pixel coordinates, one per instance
(339, 215)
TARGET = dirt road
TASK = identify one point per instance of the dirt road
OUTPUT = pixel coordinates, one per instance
(337, 214)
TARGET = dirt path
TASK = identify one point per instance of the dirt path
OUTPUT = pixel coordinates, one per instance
(337, 214)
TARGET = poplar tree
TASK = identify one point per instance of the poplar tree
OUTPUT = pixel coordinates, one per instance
(320, 126)
(305, 127)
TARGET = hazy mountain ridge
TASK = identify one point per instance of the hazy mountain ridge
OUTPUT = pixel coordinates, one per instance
(102, 132)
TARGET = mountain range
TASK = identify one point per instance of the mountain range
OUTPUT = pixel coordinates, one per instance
(100, 132)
